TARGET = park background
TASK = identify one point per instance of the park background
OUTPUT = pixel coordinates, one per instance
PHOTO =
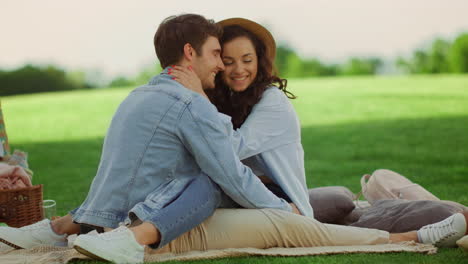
(380, 84)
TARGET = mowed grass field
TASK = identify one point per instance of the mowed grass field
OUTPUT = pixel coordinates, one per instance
(416, 125)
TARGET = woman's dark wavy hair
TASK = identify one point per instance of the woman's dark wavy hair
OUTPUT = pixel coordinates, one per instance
(238, 105)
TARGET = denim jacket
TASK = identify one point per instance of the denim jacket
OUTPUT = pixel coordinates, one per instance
(161, 137)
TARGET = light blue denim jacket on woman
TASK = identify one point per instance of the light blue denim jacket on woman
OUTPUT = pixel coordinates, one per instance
(161, 137)
(269, 142)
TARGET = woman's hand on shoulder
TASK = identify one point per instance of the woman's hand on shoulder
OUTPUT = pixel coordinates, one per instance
(187, 77)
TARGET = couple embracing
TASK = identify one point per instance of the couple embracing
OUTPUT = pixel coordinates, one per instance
(215, 129)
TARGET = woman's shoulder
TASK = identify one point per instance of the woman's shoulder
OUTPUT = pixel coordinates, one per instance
(273, 90)
(273, 96)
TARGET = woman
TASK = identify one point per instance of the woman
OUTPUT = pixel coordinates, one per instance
(267, 133)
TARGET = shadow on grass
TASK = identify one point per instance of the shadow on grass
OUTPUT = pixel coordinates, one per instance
(443, 256)
(65, 168)
(432, 152)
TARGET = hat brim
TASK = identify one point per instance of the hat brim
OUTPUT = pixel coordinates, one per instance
(258, 30)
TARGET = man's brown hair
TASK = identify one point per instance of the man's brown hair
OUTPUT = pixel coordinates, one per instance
(176, 31)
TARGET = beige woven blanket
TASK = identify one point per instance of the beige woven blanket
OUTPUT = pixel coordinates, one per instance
(48, 254)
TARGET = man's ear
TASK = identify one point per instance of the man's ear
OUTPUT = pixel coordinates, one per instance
(189, 51)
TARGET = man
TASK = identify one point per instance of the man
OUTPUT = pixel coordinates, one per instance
(163, 140)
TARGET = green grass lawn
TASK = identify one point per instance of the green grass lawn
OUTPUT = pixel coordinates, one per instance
(417, 126)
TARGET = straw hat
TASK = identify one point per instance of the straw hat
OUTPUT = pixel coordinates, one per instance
(258, 30)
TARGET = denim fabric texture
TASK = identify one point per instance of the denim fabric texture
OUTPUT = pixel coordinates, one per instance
(269, 142)
(161, 138)
(195, 204)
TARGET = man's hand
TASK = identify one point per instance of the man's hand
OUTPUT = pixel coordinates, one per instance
(188, 78)
(294, 209)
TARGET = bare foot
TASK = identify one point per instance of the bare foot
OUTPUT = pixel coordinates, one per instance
(146, 234)
(65, 225)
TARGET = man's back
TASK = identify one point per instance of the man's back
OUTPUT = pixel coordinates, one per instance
(142, 152)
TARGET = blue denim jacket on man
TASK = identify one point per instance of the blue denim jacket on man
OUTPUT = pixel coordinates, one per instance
(161, 137)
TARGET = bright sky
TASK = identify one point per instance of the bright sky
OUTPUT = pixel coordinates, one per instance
(115, 36)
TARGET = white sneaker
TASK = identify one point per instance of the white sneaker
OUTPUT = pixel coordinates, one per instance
(39, 233)
(4, 248)
(118, 245)
(444, 233)
(71, 239)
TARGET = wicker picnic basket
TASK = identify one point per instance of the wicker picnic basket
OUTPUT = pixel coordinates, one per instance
(20, 207)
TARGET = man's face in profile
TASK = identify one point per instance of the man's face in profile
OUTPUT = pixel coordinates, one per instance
(207, 64)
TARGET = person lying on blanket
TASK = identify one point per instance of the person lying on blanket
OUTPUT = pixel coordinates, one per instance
(261, 112)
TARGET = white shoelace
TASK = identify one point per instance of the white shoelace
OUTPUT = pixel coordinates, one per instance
(441, 231)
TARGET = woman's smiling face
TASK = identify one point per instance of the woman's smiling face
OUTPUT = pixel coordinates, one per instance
(240, 62)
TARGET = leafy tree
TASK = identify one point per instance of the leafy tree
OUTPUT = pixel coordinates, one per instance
(438, 57)
(34, 79)
(294, 67)
(417, 64)
(121, 81)
(146, 73)
(441, 57)
(458, 55)
(283, 54)
(314, 67)
(361, 66)
(291, 65)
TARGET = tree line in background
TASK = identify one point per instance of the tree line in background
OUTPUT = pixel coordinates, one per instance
(442, 56)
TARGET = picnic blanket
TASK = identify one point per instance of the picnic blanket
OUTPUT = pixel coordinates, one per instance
(56, 255)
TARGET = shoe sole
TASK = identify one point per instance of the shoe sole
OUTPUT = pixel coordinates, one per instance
(10, 244)
(89, 254)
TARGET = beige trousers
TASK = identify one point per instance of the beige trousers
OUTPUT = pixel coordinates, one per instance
(268, 228)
